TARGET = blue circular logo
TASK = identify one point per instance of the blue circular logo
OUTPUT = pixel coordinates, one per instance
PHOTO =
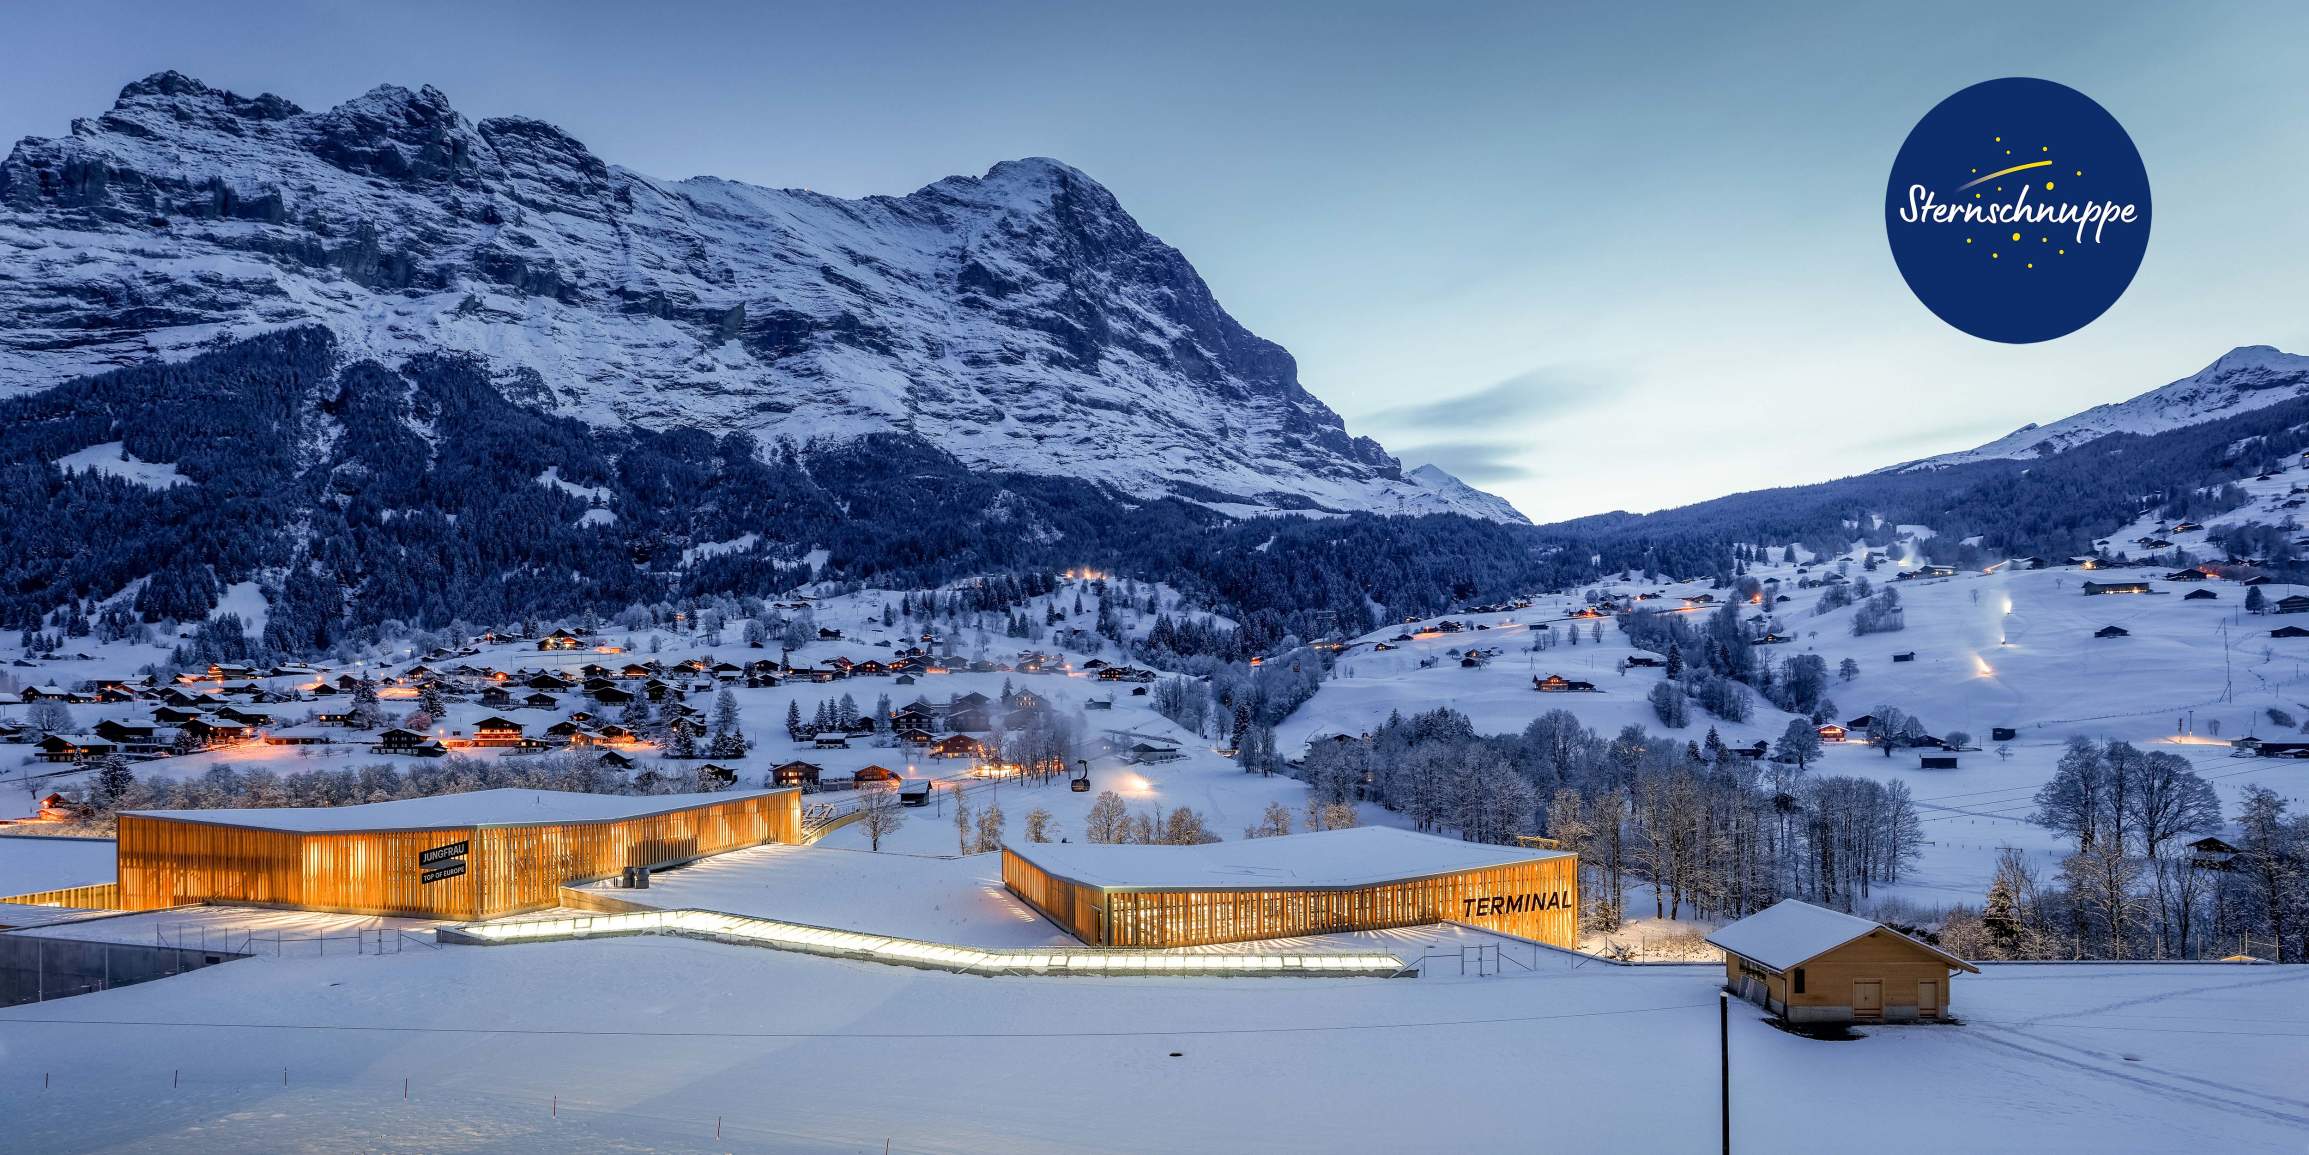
(2018, 210)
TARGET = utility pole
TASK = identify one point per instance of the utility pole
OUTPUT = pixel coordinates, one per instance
(1724, 1054)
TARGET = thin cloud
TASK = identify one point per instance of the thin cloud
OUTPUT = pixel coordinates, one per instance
(1478, 463)
(1950, 438)
(1539, 393)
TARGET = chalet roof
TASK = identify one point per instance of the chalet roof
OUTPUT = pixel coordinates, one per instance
(1790, 933)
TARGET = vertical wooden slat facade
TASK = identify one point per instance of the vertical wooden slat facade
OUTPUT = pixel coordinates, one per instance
(509, 867)
(1538, 899)
(94, 896)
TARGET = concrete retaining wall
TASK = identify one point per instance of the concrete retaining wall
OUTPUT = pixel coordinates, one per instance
(34, 968)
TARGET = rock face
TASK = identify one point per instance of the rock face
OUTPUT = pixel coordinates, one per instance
(2243, 379)
(1020, 320)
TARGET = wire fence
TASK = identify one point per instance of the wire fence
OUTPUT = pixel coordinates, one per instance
(280, 942)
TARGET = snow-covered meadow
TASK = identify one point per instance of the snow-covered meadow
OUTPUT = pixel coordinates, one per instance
(674, 1045)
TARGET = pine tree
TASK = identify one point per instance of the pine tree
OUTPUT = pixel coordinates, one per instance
(2001, 919)
(636, 714)
(794, 719)
(111, 784)
(368, 714)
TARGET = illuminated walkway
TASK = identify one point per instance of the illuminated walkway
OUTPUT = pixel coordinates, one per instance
(817, 940)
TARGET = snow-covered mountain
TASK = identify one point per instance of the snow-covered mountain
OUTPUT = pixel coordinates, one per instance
(2244, 379)
(1465, 498)
(1020, 320)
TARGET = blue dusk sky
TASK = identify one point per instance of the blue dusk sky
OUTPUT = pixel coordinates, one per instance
(1589, 257)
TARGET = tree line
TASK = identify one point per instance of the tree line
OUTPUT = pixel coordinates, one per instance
(1709, 832)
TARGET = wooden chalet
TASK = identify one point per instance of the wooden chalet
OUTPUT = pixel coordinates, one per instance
(398, 740)
(957, 746)
(211, 730)
(918, 719)
(804, 774)
(1811, 965)
(495, 731)
(128, 732)
(2212, 854)
(1558, 684)
(74, 748)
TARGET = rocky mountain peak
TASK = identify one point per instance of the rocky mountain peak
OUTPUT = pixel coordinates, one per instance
(1021, 319)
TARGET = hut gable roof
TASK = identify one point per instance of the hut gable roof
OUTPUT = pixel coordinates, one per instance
(1791, 933)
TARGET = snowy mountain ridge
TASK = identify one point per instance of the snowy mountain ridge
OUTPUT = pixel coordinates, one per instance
(2242, 380)
(1462, 497)
(1020, 320)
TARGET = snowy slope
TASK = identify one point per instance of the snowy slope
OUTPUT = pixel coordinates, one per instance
(1020, 320)
(2244, 379)
(1465, 498)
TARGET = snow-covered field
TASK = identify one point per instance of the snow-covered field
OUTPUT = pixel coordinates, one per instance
(29, 863)
(2008, 648)
(650, 1044)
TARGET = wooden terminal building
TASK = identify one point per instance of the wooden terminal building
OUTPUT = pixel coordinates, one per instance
(1368, 878)
(1809, 964)
(469, 856)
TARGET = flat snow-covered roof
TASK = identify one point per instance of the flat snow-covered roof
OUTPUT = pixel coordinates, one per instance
(1359, 857)
(1790, 933)
(507, 807)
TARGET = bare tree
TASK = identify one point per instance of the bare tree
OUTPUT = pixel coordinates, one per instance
(881, 815)
(1108, 820)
